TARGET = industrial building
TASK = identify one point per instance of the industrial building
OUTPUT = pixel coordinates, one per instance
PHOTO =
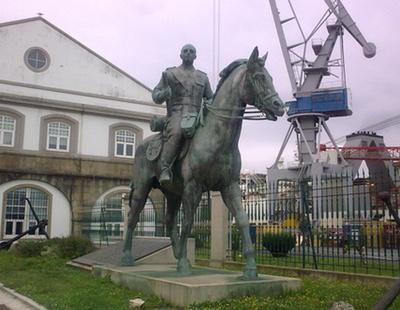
(69, 124)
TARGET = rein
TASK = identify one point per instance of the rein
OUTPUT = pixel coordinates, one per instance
(219, 113)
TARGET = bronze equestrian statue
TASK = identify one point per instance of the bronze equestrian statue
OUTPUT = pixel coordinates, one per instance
(209, 161)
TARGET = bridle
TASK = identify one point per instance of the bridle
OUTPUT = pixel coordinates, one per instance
(219, 112)
(255, 113)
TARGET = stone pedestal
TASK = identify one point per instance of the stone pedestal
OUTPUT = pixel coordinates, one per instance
(203, 285)
(145, 250)
(219, 230)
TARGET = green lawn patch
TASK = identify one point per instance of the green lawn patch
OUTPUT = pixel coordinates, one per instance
(54, 285)
(332, 263)
(314, 294)
(48, 281)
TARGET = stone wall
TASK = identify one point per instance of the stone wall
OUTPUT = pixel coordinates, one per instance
(81, 180)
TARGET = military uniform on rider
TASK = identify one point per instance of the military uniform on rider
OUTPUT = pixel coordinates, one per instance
(183, 89)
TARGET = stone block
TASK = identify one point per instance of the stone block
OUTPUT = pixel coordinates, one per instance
(203, 285)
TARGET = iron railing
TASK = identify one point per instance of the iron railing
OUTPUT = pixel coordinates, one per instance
(104, 223)
(335, 222)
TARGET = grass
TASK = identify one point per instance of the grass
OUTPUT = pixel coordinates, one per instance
(54, 285)
(315, 294)
(332, 263)
(335, 264)
(51, 283)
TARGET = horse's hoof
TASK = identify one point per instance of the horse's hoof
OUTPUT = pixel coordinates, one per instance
(250, 274)
(127, 260)
(184, 267)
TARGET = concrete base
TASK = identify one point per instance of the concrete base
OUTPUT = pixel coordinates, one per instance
(203, 285)
(145, 250)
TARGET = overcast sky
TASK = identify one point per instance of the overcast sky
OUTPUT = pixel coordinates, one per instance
(143, 37)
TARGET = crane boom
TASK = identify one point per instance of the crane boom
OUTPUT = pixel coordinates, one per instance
(337, 8)
(283, 44)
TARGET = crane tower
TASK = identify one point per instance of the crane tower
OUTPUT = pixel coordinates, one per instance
(315, 101)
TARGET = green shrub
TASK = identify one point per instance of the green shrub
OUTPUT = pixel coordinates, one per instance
(235, 242)
(199, 236)
(71, 247)
(28, 248)
(279, 244)
(235, 238)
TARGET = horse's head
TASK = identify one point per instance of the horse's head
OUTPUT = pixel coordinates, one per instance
(261, 90)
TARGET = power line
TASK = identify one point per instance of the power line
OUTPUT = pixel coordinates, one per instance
(391, 121)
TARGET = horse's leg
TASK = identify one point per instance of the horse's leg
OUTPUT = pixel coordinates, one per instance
(190, 200)
(138, 200)
(173, 204)
(232, 198)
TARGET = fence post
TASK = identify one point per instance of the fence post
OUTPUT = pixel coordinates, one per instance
(219, 230)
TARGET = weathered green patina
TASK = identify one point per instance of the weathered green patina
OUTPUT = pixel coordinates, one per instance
(211, 161)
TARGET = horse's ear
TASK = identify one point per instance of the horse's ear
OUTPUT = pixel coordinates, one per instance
(264, 58)
(253, 59)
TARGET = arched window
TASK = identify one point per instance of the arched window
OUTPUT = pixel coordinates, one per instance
(124, 138)
(124, 143)
(108, 217)
(58, 136)
(7, 130)
(114, 214)
(18, 216)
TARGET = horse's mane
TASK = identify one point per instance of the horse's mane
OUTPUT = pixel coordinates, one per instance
(227, 71)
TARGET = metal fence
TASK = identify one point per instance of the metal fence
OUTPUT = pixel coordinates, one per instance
(104, 222)
(336, 222)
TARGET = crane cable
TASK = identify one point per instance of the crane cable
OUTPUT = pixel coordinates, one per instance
(391, 121)
(216, 40)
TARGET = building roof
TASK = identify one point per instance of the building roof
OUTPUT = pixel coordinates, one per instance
(39, 18)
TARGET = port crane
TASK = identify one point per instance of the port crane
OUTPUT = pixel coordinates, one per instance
(314, 103)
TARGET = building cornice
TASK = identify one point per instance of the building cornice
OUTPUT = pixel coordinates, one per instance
(78, 93)
(65, 106)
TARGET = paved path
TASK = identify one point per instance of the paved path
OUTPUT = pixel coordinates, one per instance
(11, 300)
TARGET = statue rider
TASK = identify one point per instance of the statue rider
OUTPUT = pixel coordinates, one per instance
(183, 88)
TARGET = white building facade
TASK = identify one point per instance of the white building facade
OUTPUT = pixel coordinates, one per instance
(69, 124)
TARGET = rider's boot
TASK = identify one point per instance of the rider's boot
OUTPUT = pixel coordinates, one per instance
(166, 164)
(165, 176)
(168, 155)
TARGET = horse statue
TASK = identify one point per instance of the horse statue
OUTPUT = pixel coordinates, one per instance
(211, 161)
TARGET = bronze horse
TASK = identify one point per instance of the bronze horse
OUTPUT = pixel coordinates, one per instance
(212, 161)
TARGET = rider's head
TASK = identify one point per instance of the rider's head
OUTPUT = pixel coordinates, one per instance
(188, 54)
